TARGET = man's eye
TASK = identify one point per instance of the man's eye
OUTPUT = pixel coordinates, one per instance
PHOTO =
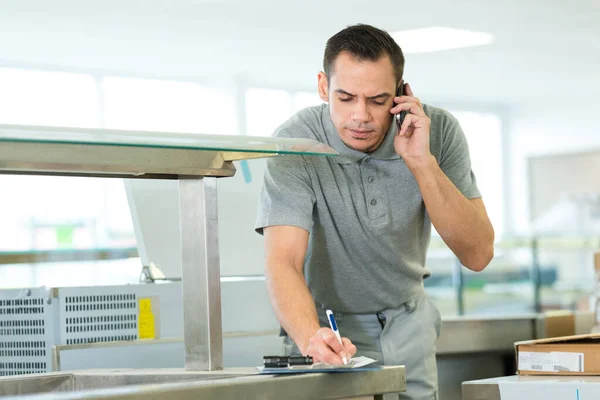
(379, 103)
(344, 99)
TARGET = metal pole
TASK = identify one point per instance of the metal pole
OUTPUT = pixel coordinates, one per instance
(198, 218)
(536, 275)
(458, 283)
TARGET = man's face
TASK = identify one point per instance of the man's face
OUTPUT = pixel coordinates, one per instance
(360, 96)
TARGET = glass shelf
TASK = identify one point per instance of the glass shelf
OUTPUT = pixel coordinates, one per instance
(137, 154)
(147, 139)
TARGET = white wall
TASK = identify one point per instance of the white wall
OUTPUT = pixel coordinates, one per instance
(554, 126)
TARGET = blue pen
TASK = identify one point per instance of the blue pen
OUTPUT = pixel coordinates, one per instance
(335, 330)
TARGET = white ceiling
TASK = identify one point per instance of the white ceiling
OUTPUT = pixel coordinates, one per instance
(545, 49)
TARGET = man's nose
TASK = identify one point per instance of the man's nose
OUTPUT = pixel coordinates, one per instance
(360, 112)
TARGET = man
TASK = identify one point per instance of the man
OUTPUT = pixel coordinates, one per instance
(350, 233)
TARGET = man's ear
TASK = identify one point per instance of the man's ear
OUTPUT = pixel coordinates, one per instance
(323, 87)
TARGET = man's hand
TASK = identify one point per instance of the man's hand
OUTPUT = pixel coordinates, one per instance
(325, 347)
(412, 141)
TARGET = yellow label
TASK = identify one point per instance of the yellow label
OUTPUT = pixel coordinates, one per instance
(146, 328)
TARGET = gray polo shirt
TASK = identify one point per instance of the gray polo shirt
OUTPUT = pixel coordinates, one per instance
(369, 229)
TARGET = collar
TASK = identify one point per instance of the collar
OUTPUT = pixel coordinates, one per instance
(385, 151)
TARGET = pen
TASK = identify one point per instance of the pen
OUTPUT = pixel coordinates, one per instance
(335, 330)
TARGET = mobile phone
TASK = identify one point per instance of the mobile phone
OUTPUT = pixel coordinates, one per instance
(400, 116)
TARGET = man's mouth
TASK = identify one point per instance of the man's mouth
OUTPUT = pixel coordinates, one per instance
(360, 133)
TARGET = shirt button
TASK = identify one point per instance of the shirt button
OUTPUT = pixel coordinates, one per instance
(382, 319)
(410, 305)
(370, 179)
(373, 202)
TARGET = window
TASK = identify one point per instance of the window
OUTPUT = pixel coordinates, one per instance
(305, 99)
(47, 98)
(47, 212)
(266, 109)
(55, 212)
(484, 135)
(482, 291)
(153, 105)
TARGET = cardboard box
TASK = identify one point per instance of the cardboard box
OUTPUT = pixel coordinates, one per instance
(563, 323)
(566, 355)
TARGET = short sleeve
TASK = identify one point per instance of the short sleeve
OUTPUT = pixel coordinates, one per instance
(455, 160)
(287, 196)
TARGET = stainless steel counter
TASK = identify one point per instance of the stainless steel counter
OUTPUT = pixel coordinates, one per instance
(236, 383)
(471, 348)
(465, 335)
(533, 387)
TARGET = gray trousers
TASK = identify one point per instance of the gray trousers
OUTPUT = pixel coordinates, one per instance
(400, 336)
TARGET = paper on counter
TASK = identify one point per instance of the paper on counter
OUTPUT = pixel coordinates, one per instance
(355, 362)
(362, 361)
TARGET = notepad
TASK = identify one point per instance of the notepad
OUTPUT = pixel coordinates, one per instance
(354, 363)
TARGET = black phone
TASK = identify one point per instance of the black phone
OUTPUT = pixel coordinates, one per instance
(400, 116)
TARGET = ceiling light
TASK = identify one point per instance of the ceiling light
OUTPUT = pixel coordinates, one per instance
(437, 38)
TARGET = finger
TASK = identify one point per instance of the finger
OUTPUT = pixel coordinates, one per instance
(349, 347)
(332, 341)
(330, 357)
(418, 101)
(408, 90)
(408, 99)
(404, 128)
(412, 122)
(337, 349)
(405, 99)
(413, 107)
(320, 351)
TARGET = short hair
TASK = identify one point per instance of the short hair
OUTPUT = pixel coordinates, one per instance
(363, 42)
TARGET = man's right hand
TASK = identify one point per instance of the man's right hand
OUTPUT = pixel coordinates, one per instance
(294, 306)
(324, 346)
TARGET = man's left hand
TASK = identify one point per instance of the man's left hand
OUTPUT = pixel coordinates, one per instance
(412, 141)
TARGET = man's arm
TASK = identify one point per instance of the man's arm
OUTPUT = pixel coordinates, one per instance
(463, 224)
(285, 249)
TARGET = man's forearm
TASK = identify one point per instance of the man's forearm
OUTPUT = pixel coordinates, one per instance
(292, 302)
(464, 227)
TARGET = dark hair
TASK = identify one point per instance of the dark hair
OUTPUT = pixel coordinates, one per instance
(363, 42)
